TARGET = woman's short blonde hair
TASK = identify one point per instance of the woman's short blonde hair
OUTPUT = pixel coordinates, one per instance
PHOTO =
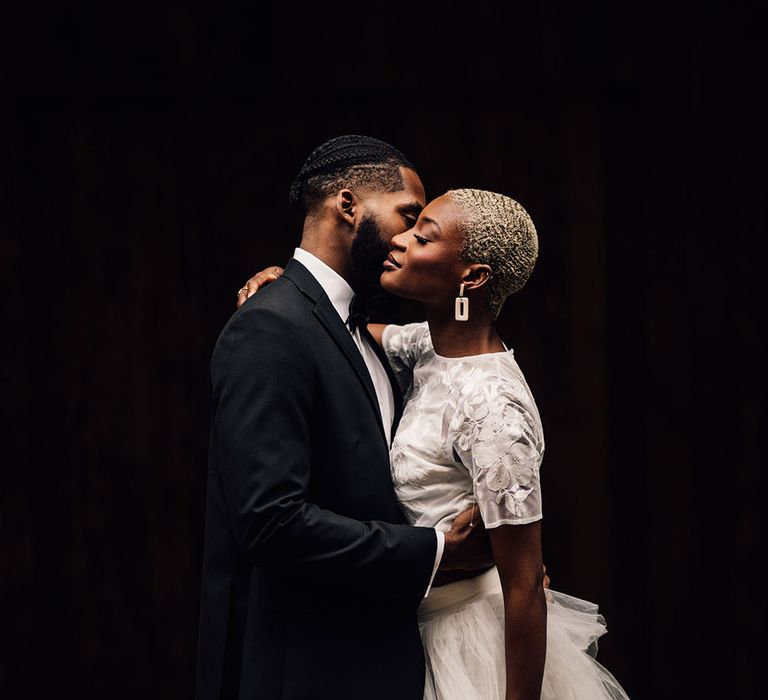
(497, 231)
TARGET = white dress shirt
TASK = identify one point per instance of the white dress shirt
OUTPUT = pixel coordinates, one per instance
(340, 295)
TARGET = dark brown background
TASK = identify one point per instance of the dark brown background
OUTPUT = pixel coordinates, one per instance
(147, 157)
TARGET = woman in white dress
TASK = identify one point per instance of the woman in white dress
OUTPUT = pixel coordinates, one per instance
(471, 433)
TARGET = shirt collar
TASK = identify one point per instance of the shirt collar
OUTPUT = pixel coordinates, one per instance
(334, 285)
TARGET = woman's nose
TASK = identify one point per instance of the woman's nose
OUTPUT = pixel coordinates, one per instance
(398, 241)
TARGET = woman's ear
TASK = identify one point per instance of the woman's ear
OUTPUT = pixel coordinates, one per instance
(476, 276)
(346, 206)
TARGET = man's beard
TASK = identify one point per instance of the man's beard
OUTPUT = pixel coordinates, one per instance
(367, 255)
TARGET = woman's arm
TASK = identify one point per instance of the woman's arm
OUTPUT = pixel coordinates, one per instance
(270, 274)
(376, 330)
(259, 280)
(517, 550)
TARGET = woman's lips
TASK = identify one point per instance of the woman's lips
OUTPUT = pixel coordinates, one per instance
(390, 263)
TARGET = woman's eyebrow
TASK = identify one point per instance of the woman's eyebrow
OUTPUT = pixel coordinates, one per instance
(431, 221)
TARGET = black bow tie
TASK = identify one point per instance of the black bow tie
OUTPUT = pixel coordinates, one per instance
(358, 316)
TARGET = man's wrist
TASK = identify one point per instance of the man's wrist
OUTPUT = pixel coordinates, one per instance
(448, 562)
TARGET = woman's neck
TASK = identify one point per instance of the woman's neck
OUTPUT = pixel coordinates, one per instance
(452, 338)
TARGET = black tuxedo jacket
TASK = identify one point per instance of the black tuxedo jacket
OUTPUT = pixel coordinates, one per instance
(311, 578)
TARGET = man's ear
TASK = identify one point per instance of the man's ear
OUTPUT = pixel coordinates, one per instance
(346, 206)
(476, 276)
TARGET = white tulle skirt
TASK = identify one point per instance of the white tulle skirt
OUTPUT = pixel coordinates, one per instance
(462, 627)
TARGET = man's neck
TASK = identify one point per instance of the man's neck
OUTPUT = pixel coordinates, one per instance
(329, 247)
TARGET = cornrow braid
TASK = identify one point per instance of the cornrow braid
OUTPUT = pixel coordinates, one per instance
(497, 231)
(347, 161)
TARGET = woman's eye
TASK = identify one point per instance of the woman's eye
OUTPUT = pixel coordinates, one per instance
(422, 241)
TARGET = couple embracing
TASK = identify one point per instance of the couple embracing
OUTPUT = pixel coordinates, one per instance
(373, 501)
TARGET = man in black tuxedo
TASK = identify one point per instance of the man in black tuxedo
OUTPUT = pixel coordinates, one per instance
(311, 577)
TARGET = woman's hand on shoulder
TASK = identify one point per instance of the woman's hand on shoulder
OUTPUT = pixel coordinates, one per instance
(259, 280)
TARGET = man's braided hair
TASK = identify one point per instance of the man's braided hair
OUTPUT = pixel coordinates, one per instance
(497, 231)
(353, 162)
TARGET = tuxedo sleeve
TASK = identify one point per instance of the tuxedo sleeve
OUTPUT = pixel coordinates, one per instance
(262, 378)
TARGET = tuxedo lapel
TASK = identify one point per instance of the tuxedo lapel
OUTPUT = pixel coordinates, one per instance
(330, 320)
(396, 392)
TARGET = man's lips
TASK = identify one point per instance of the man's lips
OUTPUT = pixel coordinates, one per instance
(391, 262)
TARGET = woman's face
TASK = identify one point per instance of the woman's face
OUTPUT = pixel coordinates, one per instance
(425, 261)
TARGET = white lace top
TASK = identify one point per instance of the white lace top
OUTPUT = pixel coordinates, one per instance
(470, 432)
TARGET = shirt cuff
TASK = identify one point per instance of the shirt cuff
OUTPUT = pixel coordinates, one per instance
(438, 558)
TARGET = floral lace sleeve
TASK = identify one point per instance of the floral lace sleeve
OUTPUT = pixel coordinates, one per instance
(403, 346)
(497, 439)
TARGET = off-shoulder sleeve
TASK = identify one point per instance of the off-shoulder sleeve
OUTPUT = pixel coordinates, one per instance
(496, 439)
(403, 346)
